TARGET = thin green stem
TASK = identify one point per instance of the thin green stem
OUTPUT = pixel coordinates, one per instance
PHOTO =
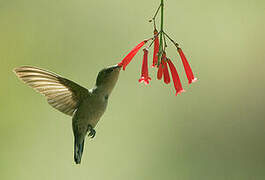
(176, 44)
(162, 21)
(165, 42)
(156, 12)
(154, 17)
(153, 39)
(161, 30)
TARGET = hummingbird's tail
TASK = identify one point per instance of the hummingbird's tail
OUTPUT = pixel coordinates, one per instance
(78, 148)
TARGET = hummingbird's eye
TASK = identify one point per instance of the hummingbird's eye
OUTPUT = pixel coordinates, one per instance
(109, 70)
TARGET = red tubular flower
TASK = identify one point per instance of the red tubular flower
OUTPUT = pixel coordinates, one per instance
(160, 71)
(187, 68)
(156, 49)
(165, 72)
(144, 77)
(131, 54)
(175, 77)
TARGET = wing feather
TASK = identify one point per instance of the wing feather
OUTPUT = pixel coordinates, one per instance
(62, 94)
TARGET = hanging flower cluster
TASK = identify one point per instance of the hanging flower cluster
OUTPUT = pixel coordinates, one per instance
(160, 60)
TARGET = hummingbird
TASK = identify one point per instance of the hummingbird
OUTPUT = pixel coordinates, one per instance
(84, 106)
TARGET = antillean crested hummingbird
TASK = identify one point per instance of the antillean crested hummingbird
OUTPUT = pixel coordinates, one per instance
(85, 106)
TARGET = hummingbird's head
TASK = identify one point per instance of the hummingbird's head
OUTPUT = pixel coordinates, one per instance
(107, 78)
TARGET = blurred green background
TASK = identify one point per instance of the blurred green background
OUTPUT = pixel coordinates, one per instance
(216, 130)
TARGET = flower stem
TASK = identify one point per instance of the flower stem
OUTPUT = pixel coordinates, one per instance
(161, 30)
(176, 44)
(154, 17)
(156, 12)
(153, 39)
(162, 19)
(165, 42)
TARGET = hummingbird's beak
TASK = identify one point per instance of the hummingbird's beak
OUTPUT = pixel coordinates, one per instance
(117, 67)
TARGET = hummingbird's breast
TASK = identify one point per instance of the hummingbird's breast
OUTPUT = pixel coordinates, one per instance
(96, 109)
(91, 110)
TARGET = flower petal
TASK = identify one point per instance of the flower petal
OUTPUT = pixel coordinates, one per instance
(166, 73)
(160, 71)
(145, 77)
(127, 59)
(156, 49)
(175, 77)
(187, 67)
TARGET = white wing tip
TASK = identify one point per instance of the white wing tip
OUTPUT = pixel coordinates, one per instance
(17, 69)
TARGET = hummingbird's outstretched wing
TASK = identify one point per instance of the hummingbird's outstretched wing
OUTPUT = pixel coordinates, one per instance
(62, 94)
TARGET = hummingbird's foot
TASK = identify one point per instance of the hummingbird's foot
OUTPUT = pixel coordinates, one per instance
(92, 131)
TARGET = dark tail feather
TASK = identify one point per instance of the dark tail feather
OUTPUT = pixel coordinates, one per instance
(78, 148)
